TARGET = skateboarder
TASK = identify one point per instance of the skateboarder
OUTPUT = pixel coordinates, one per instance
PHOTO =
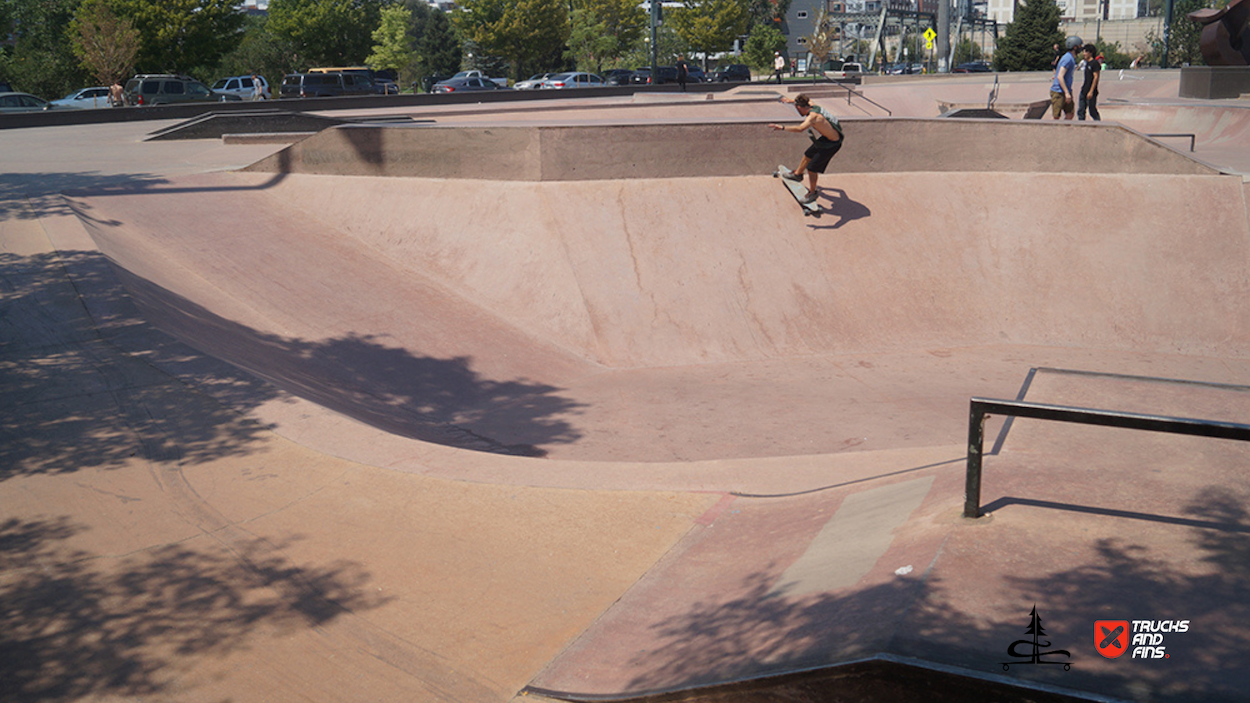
(826, 135)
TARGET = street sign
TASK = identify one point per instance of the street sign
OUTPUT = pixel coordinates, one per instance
(929, 35)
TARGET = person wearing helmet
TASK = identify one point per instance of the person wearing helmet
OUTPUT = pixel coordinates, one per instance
(1061, 99)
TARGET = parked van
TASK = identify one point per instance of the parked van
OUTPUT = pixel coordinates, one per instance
(326, 84)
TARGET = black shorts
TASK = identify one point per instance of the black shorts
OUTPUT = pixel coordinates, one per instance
(819, 153)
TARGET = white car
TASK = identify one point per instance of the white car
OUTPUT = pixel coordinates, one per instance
(561, 81)
(534, 82)
(242, 87)
(85, 99)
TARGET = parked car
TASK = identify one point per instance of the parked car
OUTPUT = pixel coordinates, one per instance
(386, 86)
(695, 75)
(85, 98)
(732, 72)
(973, 67)
(641, 76)
(243, 87)
(23, 102)
(849, 71)
(466, 84)
(325, 85)
(166, 89)
(573, 79)
(664, 74)
(617, 76)
(501, 82)
(534, 82)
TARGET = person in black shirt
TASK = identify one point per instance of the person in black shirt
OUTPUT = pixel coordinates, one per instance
(683, 72)
(1089, 89)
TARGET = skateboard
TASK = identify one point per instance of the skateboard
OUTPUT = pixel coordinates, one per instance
(799, 191)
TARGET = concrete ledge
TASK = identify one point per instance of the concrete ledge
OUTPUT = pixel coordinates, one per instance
(265, 137)
(676, 150)
(1214, 82)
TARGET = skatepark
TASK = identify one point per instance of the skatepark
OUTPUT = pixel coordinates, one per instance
(568, 401)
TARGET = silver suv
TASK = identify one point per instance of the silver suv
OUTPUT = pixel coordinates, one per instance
(167, 88)
(244, 87)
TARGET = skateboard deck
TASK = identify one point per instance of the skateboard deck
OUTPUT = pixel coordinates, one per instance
(799, 191)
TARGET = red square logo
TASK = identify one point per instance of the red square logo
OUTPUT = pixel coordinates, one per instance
(1111, 637)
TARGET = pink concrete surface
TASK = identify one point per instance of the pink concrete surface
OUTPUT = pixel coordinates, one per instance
(652, 398)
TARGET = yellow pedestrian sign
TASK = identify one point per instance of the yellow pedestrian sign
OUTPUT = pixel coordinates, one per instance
(929, 36)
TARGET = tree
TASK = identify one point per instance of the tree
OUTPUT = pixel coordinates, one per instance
(1030, 38)
(392, 47)
(40, 60)
(326, 32)
(521, 31)
(180, 36)
(770, 13)
(824, 34)
(438, 51)
(1184, 34)
(589, 41)
(764, 40)
(624, 23)
(710, 26)
(967, 51)
(106, 44)
(259, 51)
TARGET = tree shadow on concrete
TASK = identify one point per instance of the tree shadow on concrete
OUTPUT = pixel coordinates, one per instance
(76, 626)
(761, 632)
(83, 379)
(88, 381)
(30, 196)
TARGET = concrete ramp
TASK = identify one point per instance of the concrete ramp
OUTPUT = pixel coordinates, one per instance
(659, 319)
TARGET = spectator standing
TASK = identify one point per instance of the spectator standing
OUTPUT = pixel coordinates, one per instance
(1061, 99)
(779, 65)
(683, 72)
(1089, 89)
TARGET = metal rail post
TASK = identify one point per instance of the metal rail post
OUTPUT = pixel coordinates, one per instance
(972, 480)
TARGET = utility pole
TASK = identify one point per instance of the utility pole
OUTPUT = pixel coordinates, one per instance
(655, 23)
(943, 35)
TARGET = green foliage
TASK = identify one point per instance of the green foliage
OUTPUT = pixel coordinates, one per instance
(766, 12)
(710, 26)
(967, 51)
(1030, 38)
(1186, 33)
(521, 31)
(41, 60)
(758, 52)
(589, 41)
(392, 47)
(326, 32)
(1112, 56)
(105, 43)
(669, 47)
(180, 36)
(259, 52)
(624, 24)
(438, 50)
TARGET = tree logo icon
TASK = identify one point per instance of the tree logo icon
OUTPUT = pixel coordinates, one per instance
(1032, 649)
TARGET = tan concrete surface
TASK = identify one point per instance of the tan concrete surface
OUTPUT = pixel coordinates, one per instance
(347, 516)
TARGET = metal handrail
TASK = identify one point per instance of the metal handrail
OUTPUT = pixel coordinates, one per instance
(1178, 135)
(851, 91)
(983, 407)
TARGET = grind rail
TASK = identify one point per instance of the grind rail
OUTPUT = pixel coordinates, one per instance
(981, 408)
